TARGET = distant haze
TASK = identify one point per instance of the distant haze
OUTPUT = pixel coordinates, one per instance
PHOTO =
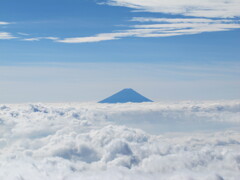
(96, 81)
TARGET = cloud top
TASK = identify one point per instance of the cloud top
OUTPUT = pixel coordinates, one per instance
(84, 141)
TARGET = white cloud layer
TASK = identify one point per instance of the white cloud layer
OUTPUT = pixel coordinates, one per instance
(83, 141)
(197, 8)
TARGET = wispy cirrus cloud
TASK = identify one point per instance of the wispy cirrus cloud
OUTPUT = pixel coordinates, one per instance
(23, 34)
(200, 16)
(39, 38)
(96, 38)
(182, 20)
(161, 27)
(197, 8)
(197, 16)
(4, 23)
(182, 26)
(6, 35)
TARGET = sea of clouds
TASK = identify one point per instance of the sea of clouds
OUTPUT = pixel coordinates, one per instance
(72, 141)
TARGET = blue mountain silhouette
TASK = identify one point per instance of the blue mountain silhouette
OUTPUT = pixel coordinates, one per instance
(126, 95)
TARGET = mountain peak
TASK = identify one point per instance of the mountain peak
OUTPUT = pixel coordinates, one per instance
(126, 95)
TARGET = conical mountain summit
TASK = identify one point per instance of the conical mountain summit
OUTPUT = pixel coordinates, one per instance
(126, 95)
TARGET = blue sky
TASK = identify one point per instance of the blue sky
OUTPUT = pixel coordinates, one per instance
(93, 36)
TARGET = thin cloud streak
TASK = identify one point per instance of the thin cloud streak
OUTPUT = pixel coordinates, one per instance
(4, 23)
(6, 35)
(97, 38)
(182, 20)
(39, 38)
(23, 34)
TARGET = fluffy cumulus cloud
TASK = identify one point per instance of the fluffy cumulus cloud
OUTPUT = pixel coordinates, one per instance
(85, 141)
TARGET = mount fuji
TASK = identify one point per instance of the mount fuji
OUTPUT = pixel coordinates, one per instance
(124, 96)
